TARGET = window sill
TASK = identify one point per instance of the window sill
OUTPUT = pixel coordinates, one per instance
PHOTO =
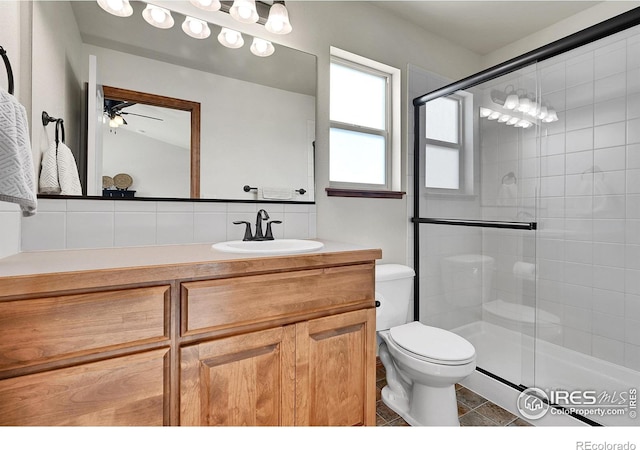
(333, 192)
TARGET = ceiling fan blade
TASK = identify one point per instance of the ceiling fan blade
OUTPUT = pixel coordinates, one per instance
(140, 115)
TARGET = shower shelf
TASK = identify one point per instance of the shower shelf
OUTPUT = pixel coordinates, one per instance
(479, 223)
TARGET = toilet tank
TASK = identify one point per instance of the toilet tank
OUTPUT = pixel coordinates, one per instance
(394, 283)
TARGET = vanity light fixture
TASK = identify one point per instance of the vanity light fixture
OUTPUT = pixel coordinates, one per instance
(196, 28)
(158, 17)
(230, 38)
(120, 8)
(260, 47)
(278, 21)
(207, 5)
(244, 11)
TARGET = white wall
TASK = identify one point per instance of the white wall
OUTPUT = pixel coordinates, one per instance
(600, 12)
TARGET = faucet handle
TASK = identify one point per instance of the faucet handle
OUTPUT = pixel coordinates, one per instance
(269, 235)
(247, 231)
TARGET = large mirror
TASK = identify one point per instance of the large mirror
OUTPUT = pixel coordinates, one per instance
(257, 114)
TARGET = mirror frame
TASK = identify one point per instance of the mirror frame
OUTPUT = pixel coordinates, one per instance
(171, 103)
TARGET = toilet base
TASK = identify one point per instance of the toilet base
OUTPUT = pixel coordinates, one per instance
(428, 406)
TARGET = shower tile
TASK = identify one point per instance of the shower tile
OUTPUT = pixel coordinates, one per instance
(633, 131)
(610, 206)
(632, 305)
(579, 118)
(578, 296)
(610, 111)
(610, 159)
(610, 87)
(552, 186)
(580, 185)
(633, 181)
(577, 318)
(609, 230)
(609, 326)
(632, 257)
(580, 72)
(577, 340)
(632, 331)
(608, 349)
(633, 106)
(552, 145)
(581, 95)
(633, 81)
(610, 135)
(549, 166)
(611, 255)
(610, 62)
(609, 302)
(578, 251)
(579, 140)
(579, 162)
(633, 232)
(632, 356)
(581, 274)
(632, 282)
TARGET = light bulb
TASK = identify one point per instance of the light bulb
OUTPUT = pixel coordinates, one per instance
(511, 102)
(119, 120)
(158, 17)
(230, 38)
(207, 5)
(543, 113)
(260, 47)
(120, 8)
(512, 121)
(113, 123)
(524, 105)
(494, 115)
(278, 21)
(485, 112)
(196, 28)
(504, 118)
(244, 11)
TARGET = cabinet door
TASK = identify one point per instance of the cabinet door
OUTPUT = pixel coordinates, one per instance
(335, 370)
(127, 390)
(241, 380)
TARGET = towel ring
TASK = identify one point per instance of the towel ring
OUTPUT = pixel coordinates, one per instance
(510, 176)
(7, 64)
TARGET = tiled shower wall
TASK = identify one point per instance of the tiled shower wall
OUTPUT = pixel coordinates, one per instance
(81, 223)
(589, 241)
(580, 177)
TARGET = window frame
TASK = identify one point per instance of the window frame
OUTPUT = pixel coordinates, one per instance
(391, 134)
(466, 137)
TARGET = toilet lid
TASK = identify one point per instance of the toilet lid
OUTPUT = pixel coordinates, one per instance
(433, 343)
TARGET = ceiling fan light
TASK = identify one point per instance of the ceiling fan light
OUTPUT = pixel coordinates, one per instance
(207, 5)
(118, 120)
(278, 21)
(120, 8)
(260, 47)
(244, 11)
(230, 38)
(158, 17)
(113, 123)
(196, 28)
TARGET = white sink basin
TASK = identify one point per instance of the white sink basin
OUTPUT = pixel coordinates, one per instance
(275, 247)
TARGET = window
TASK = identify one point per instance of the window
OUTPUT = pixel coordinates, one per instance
(363, 146)
(445, 136)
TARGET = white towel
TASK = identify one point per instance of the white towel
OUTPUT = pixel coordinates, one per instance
(17, 175)
(59, 175)
(276, 193)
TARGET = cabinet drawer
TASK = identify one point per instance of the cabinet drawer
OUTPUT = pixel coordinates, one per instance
(226, 303)
(35, 331)
(123, 391)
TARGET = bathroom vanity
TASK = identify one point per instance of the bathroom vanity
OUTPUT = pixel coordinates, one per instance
(186, 335)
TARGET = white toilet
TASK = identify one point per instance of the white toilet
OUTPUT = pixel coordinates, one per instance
(422, 363)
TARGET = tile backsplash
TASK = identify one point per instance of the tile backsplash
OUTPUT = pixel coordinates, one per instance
(83, 223)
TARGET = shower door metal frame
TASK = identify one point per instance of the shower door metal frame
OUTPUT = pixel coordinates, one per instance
(601, 30)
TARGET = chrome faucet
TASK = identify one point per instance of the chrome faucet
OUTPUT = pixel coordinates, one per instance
(260, 234)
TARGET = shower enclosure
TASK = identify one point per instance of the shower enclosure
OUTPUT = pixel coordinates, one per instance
(526, 219)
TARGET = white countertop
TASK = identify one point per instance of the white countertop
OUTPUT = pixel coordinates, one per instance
(58, 261)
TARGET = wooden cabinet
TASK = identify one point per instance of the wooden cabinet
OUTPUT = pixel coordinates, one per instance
(316, 372)
(254, 341)
(241, 380)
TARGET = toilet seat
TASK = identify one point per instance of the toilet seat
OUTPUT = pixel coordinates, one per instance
(432, 344)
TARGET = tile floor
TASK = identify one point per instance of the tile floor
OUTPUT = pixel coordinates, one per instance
(473, 409)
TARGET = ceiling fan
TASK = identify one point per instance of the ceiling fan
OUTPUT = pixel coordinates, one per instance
(113, 109)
